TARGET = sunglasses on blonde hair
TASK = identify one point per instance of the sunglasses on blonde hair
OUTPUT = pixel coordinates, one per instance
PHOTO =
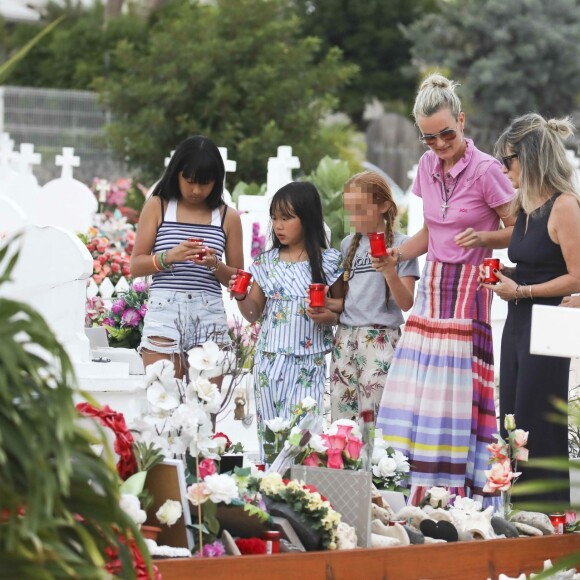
(431, 138)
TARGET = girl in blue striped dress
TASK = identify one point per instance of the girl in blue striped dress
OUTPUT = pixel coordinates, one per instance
(289, 364)
(184, 231)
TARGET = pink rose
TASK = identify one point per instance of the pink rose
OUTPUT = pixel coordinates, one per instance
(197, 493)
(312, 460)
(344, 430)
(498, 451)
(521, 454)
(207, 467)
(353, 447)
(336, 442)
(520, 437)
(334, 459)
(499, 477)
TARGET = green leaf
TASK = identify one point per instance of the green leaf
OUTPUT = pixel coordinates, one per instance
(134, 485)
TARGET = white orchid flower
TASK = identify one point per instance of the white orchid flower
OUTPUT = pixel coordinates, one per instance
(160, 398)
(159, 371)
(205, 359)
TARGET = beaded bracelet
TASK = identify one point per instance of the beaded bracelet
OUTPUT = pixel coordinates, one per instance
(155, 264)
(516, 294)
(161, 257)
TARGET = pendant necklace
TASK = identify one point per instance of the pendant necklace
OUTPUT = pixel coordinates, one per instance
(446, 196)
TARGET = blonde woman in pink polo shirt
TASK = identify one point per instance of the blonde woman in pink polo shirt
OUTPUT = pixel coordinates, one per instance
(437, 405)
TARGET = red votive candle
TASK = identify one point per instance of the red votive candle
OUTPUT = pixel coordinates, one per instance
(400, 522)
(317, 295)
(272, 541)
(241, 282)
(559, 522)
(203, 251)
(378, 247)
(261, 466)
(489, 265)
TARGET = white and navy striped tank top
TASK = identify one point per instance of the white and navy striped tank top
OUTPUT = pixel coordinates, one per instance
(187, 276)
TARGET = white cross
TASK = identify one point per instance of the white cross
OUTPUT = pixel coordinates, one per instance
(168, 159)
(228, 163)
(280, 169)
(67, 161)
(103, 187)
(28, 158)
(6, 149)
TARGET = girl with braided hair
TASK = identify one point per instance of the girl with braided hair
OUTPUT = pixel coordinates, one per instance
(376, 292)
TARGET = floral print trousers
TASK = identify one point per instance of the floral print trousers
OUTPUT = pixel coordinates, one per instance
(361, 357)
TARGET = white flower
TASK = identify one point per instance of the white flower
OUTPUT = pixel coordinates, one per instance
(438, 497)
(317, 444)
(160, 398)
(272, 483)
(221, 488)
(206, 445)
(159, 371)
(378, 454)
(402, 462)
(308, 403)
(277, 424)
(169, 512)
(189, 419)
(379, 442)
(208, 393)
(386, 467)
(129, 503)
(205, 359)
(221, 443)
(467, 504)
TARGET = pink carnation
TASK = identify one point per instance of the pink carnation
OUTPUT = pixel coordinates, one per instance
(118, 306)
(206, 467)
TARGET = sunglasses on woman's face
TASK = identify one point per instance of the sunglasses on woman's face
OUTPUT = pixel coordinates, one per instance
(431, 139)
(507, 160)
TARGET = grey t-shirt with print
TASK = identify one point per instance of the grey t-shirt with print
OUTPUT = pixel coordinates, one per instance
(365, 303)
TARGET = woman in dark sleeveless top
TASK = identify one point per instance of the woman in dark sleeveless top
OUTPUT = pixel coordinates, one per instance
(544, 248)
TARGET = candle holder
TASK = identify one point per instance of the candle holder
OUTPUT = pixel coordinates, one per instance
(559, 523)
(317, 295)
(378, 247)
(241, 283)
(203, 251)
(489, 265)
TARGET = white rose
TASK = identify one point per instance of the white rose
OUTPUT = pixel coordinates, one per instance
(221, 443)
(129, 503)
(221, 488)
(386, 467)
(380, 443)
(278, 424)
(402, 462)
(169, 512)
(161, 398)
(309, 403)
(317, 444)
(378, 454)
(438, 497)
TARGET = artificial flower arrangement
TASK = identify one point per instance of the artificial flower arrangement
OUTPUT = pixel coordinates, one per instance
(123, 196)
(505, 455)
(244, 338)
(258, 241)
(124, 320)
(390, 467)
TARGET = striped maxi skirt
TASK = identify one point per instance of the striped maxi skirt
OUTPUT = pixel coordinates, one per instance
(438, 403)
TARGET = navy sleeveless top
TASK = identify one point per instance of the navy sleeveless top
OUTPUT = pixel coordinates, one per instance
(538, 259)
(187, 276)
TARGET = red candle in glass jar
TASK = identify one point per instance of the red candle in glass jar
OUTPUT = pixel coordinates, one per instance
(203, 251)
(261, 466)
(272, 541)
(378, 247)
(241, 282)
(400, 522)
(489, 265)
(559, 522)
(317, 295)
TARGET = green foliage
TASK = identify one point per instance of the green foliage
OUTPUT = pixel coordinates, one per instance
(237, 71)
(329, 178)
(59, 502)
(508, 61)
(370, 35)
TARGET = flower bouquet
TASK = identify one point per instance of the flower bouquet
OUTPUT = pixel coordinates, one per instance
(109, 260)
(505, 455)
(244, 338)
(124, 320)
(123, 196)
(390, 467)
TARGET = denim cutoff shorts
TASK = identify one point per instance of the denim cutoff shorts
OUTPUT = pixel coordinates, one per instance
(187, 318)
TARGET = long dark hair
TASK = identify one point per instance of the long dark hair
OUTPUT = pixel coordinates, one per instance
(302, 200)
(198, 159)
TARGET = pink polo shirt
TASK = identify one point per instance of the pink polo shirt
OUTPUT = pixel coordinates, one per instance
(475, 186)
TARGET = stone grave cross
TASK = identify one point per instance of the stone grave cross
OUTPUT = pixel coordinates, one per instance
(6, 150)
(28, 158)
(280, 170)
(67, 161)
(230, 167)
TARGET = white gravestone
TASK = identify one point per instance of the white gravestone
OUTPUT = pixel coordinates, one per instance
(7, 155)
(66, 202)
(230, 167)
(12, 218)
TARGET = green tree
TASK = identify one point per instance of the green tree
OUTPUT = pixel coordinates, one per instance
(511, 56)
(370, 34)
(238, 72)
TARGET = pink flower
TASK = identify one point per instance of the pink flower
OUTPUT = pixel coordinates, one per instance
(139, 286)
(335, 441)
(143, 310)
(520, 437)
(353, 447)
(498, 451)
(197, 493)
(500, 477)
(344, 430)
(207, 467)
(312, 460)
(109, 322)
(334, 459)
(131, 317)
(521, 454)
(118, 306)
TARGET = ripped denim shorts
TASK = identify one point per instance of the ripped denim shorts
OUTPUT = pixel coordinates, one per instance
(188, 319)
